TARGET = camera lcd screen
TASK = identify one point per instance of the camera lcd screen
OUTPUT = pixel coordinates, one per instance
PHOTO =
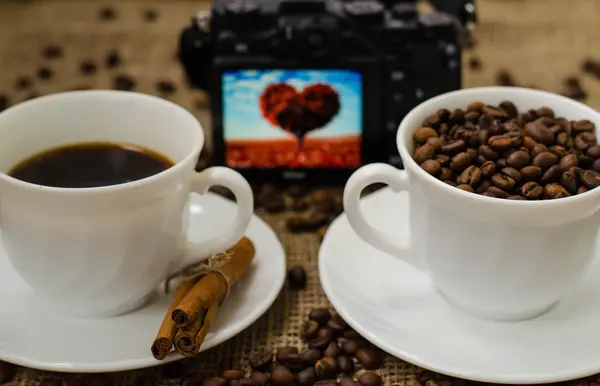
(292, 118)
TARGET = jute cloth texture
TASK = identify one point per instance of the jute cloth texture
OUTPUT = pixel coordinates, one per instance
(541, 42)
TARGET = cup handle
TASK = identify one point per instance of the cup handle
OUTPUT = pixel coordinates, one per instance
(240, 188)
(397, 180)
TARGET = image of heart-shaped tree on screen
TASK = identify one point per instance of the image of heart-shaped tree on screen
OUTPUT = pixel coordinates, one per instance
(299, 113)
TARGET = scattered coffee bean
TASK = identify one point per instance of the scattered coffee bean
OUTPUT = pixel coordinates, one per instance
(3, 102)
(306, 377)
(45, 73)
(233, 375)
(348, 382)
(22, 83)
(107, 14)
(87, 67)
(310, 356)
(194, 379)
(261, 378)
(475, 63)
(113, 59)
(215, 381)
(319, 343)
(352, 335)
(7, 372)
(165, 87)
(261, 360)
(285, 353)
(150, 15)
(327, 333)
(124, 83)
(282, 376)
(369, 358)
(574, 89)
(297, 277)
(504, 78)
(345, 364)
(309, 331)
(52, 51)
(336, 323)
(350, 347)
(370, 379)
(332, 350)
(326, 368)
(320, 315)
(592, 67)
(97, 380)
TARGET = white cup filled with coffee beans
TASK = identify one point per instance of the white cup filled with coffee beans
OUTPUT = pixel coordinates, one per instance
(502, 184)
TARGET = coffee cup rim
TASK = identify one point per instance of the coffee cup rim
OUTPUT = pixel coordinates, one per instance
(177, 166)
(479, 93)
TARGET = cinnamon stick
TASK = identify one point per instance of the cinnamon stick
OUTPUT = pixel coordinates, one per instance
(212, 287)
(163, 343)
(189, 339)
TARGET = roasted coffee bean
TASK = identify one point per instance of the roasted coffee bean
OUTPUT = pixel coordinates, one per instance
(504, 78)
(352, 335)
(345, 364)
(436, 142)
(488, 168)
(350, 347)
(460, 162)
(297, 277)
(99, 380)
(422, 134)
(332, 350)
(233, 375)
(532, 190)
(326, 368)
(582, 189)
(531, 173)
(87, 67)
(306, 377)
(432, 167)
(538, 149)
(485, 184)
(512, 173)
(554, 191)
(558, 151)
(319, 343)
(495, 191)
(596, 165)
(309, 330)
(562, 139)
(424, 153)
(475, 106)
(501, 163)
(470, 176)
(150, 15)
(443, 160)
(545, 160)
(282, 376)
(504, 182)
(568, 161)
(453, 147)
(472, 116)
(194, 379)
(500, 143)
(518, 159)
(465, 187)
(510, 108)
(52, 51)
(165, 87)
(551, 175)
(349, 382)
(261, 378)
(443, 115)
(518, 198)
(310, 356)
(586, 162)
(583, 125)
(539, 133)
(593, 151)
(107, 14)
(336, 323)
(320, 315)
(446, 174)
(113, 59)
(45, 73)
(369, 358)
(7, 372)
(215, 381)
(475, 63)
(124, 83)
(284, 353)
(327, 333)
(370, 379)
(569, 181)
(22, 83)
(590, 179)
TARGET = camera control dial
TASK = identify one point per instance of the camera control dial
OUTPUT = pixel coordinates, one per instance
(370, 12)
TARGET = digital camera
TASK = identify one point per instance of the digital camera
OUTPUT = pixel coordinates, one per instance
(317, 88)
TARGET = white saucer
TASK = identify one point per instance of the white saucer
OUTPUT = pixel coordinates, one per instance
(394, 306)
(33, 336)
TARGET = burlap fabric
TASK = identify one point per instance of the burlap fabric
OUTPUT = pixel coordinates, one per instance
(540, 41)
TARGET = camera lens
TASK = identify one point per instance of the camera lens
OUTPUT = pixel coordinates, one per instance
(317, 40)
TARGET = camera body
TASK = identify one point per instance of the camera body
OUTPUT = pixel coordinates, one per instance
(316, 88)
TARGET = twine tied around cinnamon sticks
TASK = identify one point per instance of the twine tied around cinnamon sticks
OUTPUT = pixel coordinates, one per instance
(202, 290)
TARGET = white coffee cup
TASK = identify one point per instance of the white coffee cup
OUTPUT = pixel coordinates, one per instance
(492, 258)
(99, 252)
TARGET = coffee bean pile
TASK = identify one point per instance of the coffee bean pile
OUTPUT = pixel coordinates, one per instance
(335, 356)
(498, 152)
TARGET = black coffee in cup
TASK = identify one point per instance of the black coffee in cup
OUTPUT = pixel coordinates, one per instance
(90, 164)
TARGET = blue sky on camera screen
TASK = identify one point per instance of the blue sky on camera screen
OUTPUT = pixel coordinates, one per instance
(242, 118)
